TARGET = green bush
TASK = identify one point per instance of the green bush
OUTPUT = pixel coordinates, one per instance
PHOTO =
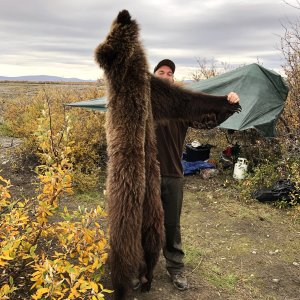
(267, 173)
(88, 129)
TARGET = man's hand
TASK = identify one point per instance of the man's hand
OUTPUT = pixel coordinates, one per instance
(233, 98)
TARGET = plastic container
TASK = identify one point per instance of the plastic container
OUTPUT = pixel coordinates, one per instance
(240, 168)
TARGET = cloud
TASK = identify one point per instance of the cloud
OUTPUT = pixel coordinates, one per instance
(58, 34)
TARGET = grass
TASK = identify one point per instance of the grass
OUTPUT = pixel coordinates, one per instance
(193, 255)
(224, 281)
(227, 241)
(5, 131)
(90, 197)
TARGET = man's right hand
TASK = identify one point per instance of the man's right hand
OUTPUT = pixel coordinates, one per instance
(233, 98)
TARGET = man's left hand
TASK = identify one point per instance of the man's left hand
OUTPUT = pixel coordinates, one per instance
(233, 98)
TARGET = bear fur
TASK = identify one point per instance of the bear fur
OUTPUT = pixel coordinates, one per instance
(134, 209)
(136, 100)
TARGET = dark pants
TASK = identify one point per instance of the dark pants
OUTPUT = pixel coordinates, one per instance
(172, 195)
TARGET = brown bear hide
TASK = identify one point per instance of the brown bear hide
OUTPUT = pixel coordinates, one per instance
(135, 100)
(135, 210)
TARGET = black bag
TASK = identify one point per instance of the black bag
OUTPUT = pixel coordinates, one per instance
(280, 190)
(201, 152)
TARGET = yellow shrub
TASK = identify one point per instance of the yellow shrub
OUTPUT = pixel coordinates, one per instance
(63, 254)
(88, 132)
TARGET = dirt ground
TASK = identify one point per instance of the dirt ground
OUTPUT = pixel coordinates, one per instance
(234, 250)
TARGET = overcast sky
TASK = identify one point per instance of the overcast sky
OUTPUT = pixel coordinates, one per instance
(58, 37)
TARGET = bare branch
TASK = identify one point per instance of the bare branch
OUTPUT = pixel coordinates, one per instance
(50, 125)
(294, 6)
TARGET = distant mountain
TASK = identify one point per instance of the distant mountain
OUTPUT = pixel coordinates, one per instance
(42, 78)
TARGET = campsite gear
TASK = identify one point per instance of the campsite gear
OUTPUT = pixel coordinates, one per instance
(228, 151)
(236, 148)
(225, 162)
(201, 152)
(280, 190)
(209, 173)
(96, 104)
(195, 144)
(212, 161)
(192, 167)
(262, 94)
(240, 168)
(232, 150)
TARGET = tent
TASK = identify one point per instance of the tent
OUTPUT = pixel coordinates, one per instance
(97, 104)
(262, 95)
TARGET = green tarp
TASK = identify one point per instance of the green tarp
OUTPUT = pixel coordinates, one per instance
(262, 95)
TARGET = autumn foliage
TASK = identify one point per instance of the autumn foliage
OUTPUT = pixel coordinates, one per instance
(48, 252)
(21, 114)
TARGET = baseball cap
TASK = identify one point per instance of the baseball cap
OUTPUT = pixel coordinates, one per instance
(165, 62)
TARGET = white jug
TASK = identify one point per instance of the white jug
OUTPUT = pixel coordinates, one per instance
(240, 168)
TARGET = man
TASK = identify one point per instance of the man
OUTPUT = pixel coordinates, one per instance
(170, 139)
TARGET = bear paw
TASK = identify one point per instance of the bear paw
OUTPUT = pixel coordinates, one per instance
(105, 55)
(124, 17)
